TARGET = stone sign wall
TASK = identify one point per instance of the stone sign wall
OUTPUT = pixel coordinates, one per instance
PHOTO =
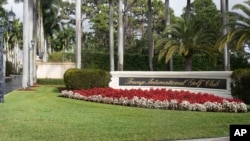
(215, 82)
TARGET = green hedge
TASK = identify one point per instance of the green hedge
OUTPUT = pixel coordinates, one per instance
(240, 84)
(139, 62)
(86, 78)
(62, 57)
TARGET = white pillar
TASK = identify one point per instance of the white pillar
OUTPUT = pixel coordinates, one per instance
(120, 37)
(25, 43)
(78, 33)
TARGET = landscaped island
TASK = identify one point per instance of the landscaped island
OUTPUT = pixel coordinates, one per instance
(159, 99)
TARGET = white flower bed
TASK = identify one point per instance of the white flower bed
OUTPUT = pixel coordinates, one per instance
(172, 104)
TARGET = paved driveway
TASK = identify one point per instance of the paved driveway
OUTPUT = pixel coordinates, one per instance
(13, 83)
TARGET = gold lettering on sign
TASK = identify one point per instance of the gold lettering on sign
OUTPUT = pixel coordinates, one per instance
(131, 81)
(194, 83)
(165, 83)
(178, 82)
(212, 83)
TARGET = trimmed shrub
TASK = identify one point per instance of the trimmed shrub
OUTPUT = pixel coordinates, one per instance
(86, 78)
(240, 84)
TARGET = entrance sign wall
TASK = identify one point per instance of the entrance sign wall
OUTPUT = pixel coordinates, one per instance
(211, 82)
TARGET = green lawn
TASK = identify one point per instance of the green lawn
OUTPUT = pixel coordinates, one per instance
(42, 115)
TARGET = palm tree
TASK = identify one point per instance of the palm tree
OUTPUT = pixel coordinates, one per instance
(120, 37)
(239, 35)
(25, 76)
(47, 21)
(188, 8)
(28, 22)
(150, 37)
(187, 39)
(63, 39)
(42, 9)
(167, 22)
(14, 41)
(78, 33)
(224, 9)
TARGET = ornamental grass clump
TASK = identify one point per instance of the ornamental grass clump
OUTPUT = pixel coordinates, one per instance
(159, 99)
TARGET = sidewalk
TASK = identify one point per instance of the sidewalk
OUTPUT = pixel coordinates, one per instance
(12, 83)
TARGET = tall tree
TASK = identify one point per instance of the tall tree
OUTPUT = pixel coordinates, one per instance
(150, 37)
(224, 9)
(15, 41)
(128, 8)
(167, 22)
(64, 39)
(31, 69)
(25, 43)
(238, 37)
(207, 14)
(188, 8)
(120, 37)
(187, 39)
(111, 35)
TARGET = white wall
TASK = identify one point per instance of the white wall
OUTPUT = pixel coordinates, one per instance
(52, 70)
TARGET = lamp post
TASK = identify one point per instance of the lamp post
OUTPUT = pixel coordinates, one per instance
(30, 48)
(3, 29)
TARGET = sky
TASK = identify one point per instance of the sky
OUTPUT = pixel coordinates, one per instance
(16, 8)
(177, 5)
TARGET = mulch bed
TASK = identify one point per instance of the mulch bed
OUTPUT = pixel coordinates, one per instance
(30, 88)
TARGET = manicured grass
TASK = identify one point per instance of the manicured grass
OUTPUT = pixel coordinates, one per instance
(42, 115)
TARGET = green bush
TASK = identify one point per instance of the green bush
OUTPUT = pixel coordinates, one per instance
(86, 78)
(240, 84)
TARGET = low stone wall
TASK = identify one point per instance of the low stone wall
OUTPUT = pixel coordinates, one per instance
(212, 82)
(52, 70)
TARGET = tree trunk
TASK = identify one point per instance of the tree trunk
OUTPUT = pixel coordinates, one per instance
(78, 33)
(120, 38)
(188, 63)
(224, 9)
(35, 39)
(30, 50)
(188, 8)
(40, 33)
(150, 37)
(111, 36)
(167, 20)
(25, 43)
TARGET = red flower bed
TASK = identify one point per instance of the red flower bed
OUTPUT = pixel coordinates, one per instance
(159, 98)
(155, 94)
